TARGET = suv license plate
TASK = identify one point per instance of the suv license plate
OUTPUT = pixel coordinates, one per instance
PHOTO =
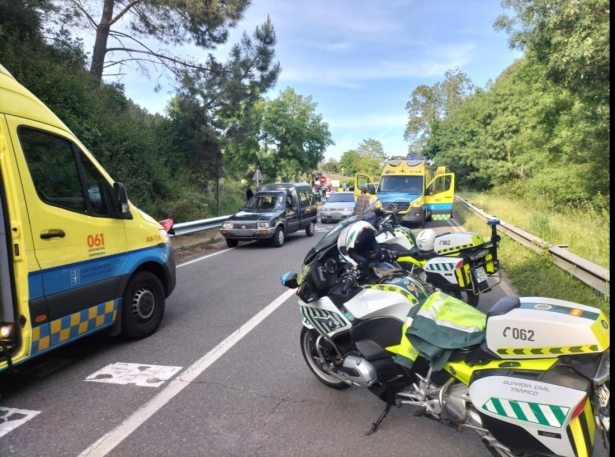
(480, 274)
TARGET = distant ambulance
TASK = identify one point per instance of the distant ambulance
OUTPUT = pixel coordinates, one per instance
(409, 187)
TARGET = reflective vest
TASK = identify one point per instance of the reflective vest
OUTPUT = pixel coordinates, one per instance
(438, 326)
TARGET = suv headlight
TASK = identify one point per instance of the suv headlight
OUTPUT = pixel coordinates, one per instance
(348, 210)
(227, 225)
(262, 224)
(416, 204)
(164, 235)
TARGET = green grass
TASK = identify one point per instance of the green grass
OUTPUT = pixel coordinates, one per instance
(584, 230)
(531, 273)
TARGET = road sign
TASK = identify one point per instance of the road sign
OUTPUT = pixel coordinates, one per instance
(257, 176)
(323, 179)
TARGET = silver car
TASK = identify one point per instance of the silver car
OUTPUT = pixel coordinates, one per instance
(338, 206)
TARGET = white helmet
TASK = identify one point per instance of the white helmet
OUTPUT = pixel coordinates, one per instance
(351, 235)
(425, 239)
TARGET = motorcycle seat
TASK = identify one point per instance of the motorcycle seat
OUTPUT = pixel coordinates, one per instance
(503, 306)
(417, 254)
(474, 355)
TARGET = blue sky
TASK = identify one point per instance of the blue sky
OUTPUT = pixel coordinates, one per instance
(360, 60)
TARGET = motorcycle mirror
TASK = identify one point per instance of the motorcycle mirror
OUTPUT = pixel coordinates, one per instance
(289, 279)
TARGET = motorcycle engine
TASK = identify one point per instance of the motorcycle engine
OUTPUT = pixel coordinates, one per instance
(359, 371)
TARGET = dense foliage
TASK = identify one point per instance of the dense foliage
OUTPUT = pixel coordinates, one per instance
(542, 129)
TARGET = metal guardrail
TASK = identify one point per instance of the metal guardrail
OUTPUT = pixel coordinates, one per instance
(591, 274)
(184, 228)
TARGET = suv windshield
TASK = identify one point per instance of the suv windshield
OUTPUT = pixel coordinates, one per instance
(265, 202)
(337, 197)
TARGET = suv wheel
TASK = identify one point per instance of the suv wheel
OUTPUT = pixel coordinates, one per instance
(310, 229)
(232, 243)
(279, 237)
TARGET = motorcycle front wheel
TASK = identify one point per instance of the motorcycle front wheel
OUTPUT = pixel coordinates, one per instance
(308, 349)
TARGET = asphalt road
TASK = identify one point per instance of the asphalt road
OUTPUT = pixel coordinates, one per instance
(238, 384)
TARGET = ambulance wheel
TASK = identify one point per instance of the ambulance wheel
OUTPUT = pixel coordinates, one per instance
(308, 349)
(232, 243)
(142, 306)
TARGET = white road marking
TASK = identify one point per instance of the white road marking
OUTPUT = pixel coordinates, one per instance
(11, 418)
(203, 258)
(109, 441)
(134, 373)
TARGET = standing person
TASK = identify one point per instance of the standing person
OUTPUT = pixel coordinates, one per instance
(249, 193)
(363, 201)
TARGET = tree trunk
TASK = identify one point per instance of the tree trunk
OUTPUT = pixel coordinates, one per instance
(102, 35)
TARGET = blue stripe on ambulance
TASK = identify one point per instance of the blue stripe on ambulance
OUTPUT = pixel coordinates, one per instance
(439, 206)
(59, 279)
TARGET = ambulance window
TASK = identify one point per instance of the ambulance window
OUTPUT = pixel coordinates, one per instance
(98, 188)
(53, 169)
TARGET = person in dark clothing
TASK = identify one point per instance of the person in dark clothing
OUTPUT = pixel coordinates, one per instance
(249, 193)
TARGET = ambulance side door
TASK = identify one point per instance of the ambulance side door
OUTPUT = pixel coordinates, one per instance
(439, 196)
(364, 180)
(78, 243)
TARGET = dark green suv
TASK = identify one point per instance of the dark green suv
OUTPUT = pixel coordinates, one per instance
(275, 211)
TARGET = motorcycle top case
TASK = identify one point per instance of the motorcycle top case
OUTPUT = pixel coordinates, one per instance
(453, 242)
(545, 328)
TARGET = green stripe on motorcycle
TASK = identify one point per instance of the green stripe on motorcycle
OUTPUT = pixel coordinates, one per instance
(536, 413)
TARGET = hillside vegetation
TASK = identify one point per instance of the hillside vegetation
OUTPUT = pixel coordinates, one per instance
(538, 132)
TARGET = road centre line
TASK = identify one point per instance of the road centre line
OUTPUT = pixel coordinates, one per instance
(109, 441)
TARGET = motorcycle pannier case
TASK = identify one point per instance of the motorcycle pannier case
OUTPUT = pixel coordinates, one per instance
(545, 415)
(546, 412)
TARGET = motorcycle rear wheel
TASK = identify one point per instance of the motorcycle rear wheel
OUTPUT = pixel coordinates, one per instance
(469, 297)
(308, 349)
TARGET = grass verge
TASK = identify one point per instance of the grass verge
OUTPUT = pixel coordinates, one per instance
(532, 274)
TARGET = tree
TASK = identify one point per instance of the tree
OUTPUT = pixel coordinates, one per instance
(286, 138)
(203, 23)
(570, 38)
(372, 157)
(429, 104)
(331, 166)
(349, 161)
(221, 109)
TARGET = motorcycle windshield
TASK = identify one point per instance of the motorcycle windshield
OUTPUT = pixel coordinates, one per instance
(369, 215)
(331, 237)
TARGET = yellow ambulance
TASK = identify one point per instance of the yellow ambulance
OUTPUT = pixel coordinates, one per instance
(76, 256)
(409, 187)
